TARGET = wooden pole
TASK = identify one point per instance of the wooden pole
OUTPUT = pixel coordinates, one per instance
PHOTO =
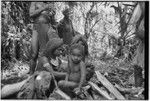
(102, 92)
(109, 86)
(12, 88)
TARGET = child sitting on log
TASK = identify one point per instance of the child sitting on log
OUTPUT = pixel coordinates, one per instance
(80, 39)
(76, 75)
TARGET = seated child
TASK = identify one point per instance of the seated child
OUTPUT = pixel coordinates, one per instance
(76, 75)
(80, 39)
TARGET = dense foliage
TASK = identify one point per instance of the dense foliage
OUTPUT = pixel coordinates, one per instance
(114, 32)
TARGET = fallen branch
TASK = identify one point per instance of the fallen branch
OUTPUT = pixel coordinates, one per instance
(102, 92)
(12, 88)
(85, 95)
(62, 94)
(109, 86)
(129, 90)
(86, 87)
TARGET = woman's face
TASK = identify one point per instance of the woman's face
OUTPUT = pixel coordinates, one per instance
(45, 27)
(43, 24)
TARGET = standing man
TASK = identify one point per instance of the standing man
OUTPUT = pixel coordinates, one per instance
(40, 12)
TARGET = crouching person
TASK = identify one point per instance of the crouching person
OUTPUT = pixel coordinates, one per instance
(50, 54)
(41, 84)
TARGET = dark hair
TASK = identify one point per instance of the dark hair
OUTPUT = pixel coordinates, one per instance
(77, 46)
(43, 18)
(51, 46)
(65, 11)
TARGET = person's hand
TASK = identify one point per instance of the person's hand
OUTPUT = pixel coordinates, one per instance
(77, 90)
(48, 67)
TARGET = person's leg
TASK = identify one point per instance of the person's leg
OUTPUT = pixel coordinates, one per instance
(67, 87)
(34, 51)
(60, 75)
(67, 84)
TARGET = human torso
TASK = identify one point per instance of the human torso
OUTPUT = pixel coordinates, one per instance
(75, 73)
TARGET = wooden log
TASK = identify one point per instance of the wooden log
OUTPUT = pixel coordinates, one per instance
(129, 90)
(12, 88)
(95, 95)
(85, 95)
(88, 96)
(61, 93)
(109, 86)
(86, 87)
(102, 92)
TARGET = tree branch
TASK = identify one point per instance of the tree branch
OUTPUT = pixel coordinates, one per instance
(87, 18)
(94, 24)
(129, 35)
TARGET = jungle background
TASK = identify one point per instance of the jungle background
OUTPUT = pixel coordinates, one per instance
(109, 27)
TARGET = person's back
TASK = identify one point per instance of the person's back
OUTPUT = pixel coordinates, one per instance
(65, 28)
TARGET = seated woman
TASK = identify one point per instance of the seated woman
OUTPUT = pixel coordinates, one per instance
(40, 85)
(49, 61)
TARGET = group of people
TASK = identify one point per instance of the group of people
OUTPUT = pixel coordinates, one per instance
(48, 44)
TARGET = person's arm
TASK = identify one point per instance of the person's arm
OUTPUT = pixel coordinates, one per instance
(34, 12)
(77, 90)
(67, 76)
(46, 64)
(68, 69)
(83, 74)
(34, 51)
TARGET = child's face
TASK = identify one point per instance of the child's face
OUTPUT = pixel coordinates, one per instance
(76, 56)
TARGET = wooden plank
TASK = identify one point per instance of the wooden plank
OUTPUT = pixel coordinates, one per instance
(12, 88)
(109, 86)
(102, 92)
(129, 90)
(62, 94)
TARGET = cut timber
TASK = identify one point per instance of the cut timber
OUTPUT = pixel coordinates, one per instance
(86, 87)
(102, 92)
(62, 94)
(85, 92)
(88, 96)
(12, 88)
(109, 86)
(129, 90)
